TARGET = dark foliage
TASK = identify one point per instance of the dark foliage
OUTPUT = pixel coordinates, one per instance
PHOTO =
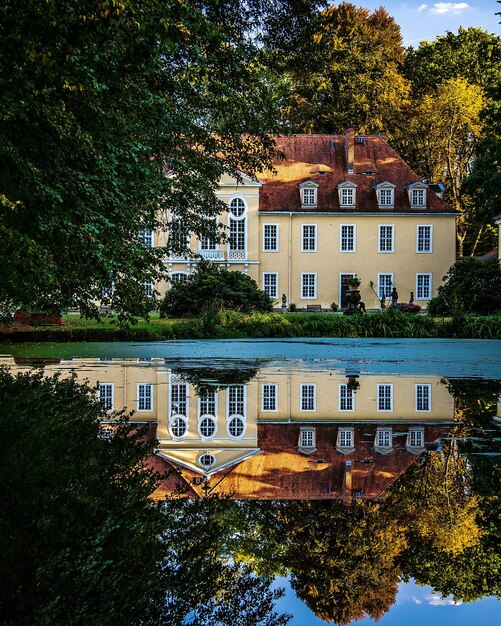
(213, 288)
(471, 286)
(408, 307)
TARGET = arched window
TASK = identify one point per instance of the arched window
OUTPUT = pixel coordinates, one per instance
(207, 427)
(179, 277)
(207, 460)
(237, 226)
(178, 427)
(236, 427)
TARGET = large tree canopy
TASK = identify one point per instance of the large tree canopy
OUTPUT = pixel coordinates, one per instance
(100, 100)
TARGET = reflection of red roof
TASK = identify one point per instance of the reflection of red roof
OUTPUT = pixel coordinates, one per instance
(307, 155)
(279, 471)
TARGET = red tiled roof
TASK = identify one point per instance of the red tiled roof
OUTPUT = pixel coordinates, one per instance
(307, 155)
(279, 471)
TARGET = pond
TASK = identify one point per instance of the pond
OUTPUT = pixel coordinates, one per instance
(361, 475)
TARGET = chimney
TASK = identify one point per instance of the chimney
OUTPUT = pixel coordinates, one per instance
(347, 484)
(349, 144)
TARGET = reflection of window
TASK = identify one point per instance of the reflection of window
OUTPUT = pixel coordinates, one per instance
(178, 427)
(269, 397)
(236, 427)
(308, 397)
(309, 240)
(207, 403)
(415, 438)
(207, 427)
(423, 397)
(270, 284)
(207, 460)
(307, 438)
(384, 438)
(179, 398)
(345, 438)
(144, 397)
(236, 400)
(270, 237)
(106, 396)
(346, 398)
(308, 286)
(385, 398)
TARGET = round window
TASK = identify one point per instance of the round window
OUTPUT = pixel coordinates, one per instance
(178, 427)
(207, 427)
(237, 207)
(236, 427)
(207, 460)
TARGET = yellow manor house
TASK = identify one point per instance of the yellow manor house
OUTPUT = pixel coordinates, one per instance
(336, 206)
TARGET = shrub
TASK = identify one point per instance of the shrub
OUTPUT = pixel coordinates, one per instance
(408, 307)
(471, 286)
(210, 289)
(334, 306)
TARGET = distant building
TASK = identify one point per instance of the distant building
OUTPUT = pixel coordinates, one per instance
(338, 205)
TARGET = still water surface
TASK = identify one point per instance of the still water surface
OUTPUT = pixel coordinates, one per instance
(363, 475)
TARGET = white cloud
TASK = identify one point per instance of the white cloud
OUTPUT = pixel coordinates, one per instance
(437, 600)
(442, 8)
(416, 600)
(422, 7)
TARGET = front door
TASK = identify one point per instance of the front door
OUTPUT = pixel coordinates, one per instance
(344, 288)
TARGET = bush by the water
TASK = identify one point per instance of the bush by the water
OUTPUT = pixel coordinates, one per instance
(471, 286)
(214, 288)
(409, 307)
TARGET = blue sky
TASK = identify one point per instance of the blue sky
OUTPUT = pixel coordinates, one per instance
(425, 19)
(415, 606)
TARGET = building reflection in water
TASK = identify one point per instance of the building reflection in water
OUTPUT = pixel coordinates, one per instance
(280, 432)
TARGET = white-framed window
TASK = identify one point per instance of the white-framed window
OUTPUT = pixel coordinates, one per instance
(269, 397)
(179, 237)
(346, 398)
(345, 437)
(384, 398)
(107, 396)
(384, 438)
(146, 237)
(236, 400)
(307, 438)
(270, 284)
(207, 403)
(270, 237)
(347, 238)
(207, 427)
(178, 427)
(385, 240)
(423, 397)
(424, 238)
(206, 460)
(415, 438)
(308, 286)
(108, 292)
(309, 238)
(385, 285)
(178, 398)
(308, 397)
(347, 192)
(347, 197)
(145, 397)
(207, 243)
(148, 288)
(237, 218)
(236, 427)
(418, 198)
(309, 196)
(179, 277)
(386, 197)
(423, 286)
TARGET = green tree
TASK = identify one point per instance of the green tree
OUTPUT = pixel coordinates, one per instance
(210, 288)
(80, 538)
(117, 117)
(347, 73)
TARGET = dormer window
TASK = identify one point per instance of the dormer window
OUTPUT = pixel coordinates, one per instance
(347, 195)
(345, 440)
(307, 440)
(308, 192)
(415, 440)
(383, 442)
(385, 195)
(417, 195)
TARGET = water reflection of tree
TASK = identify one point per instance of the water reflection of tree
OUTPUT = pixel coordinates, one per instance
(209, 379)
